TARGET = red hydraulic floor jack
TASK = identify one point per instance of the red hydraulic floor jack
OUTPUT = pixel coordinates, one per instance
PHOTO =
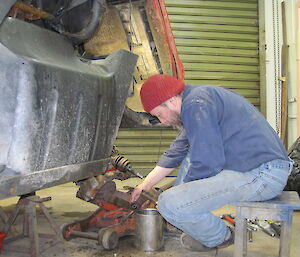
(114, 218)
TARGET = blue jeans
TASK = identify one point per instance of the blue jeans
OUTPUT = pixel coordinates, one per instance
(188, 206)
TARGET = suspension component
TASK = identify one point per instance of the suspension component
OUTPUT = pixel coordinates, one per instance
(123, 164)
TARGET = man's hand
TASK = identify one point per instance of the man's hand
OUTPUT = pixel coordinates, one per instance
(136, 193)
(157, 174)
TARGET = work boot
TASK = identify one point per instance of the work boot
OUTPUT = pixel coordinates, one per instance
(172, 229)
(191, 244)
(229, 241)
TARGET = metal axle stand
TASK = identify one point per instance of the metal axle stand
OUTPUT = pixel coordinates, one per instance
(30, 224)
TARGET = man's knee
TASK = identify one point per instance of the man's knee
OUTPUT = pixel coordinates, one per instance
(167, 204)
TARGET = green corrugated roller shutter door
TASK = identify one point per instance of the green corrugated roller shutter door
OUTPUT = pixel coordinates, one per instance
(217, 42)
(143, 147)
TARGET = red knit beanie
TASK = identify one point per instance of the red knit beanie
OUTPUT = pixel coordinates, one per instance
(158, 89)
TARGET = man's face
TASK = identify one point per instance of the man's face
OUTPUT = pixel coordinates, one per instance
(167, 116)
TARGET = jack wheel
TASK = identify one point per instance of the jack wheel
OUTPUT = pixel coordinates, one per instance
(110, 240)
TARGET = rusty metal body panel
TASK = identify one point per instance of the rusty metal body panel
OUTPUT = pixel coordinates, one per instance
(56, 109)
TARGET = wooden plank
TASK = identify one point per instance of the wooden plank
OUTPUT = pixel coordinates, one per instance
(215, 28)
(217, 43)
(217, 51)
(234, 5)
(201, 58)
(215, 36)
(220, 67)
(212, 12)
(241, 21)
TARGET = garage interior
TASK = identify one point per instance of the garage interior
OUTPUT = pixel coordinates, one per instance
(248, 46)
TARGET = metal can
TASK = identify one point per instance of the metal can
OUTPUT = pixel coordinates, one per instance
(149, 230)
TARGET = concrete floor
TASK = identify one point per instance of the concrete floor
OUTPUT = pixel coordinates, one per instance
(65, 208)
